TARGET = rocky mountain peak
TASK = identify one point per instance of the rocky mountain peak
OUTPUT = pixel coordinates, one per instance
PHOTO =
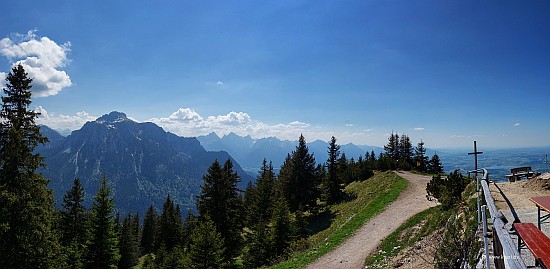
(113, 117)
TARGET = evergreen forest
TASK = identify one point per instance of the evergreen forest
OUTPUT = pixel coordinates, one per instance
(231, 228)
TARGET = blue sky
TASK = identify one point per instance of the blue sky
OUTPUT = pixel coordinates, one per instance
(447, 72)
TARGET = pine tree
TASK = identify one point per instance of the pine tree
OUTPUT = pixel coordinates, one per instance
(372, 161)
(343, 169)
(136, 229)
(260, 213)
(102, 247)
(73, 216)
(281, 233)
(392, 148)
(74, 224)
(405, 152)
(298, 177)
(170, 227)
(332, 190)
(207, 246)
(259, 247)
(220, 201)
(262, 205)
(364, 171)
(435, 166)
(248, 202)
(421, 160)
(26, 204)
(149, 231)
(128, 243)
(189, 224)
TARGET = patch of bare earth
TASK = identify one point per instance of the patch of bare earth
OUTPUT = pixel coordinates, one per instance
(353, 252)
(420, 255)
(519, 192)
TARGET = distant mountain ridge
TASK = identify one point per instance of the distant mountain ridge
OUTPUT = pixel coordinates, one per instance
(142, 162)
(250, 152)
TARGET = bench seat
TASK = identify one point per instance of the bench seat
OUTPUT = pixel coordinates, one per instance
(517, 173)
(536, 241)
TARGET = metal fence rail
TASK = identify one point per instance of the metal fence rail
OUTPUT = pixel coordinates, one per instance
(506, 253)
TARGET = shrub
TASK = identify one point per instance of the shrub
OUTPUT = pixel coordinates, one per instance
(447, 190)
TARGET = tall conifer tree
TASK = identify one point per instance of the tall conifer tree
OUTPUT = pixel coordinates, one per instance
(73, 216)
(332, 190)
(392, 148)
(298, 178)
(421, 160)
(260, 214)
(207, 246)
(102, 247)
(128, 243)
(170, 227)
(220, 201)
(435, 166)
(281, 231)
(263, 199)
(26, 204)
(149, 231)
(405, 152)
(74, 224)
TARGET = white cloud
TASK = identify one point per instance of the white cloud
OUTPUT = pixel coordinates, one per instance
(63, 122)
(42, 58)
(467, 136)
(299, 124)
(419, 129)
(517, 124)
(187, 122)
(233, 118)
(185, 115)
(219, 83)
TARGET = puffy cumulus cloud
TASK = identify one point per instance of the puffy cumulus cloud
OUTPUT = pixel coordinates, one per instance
(517, 124)
(63, 123)
(187, 122)
(184, 115)
(233, 118)
(42, 58)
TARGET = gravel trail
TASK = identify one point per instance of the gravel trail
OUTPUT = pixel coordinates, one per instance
(353, 252)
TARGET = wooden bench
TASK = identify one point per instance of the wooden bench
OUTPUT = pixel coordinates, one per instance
(536, 241)
(519, 172)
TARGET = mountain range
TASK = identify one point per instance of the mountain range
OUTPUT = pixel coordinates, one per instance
(250, 152)
(142, 162)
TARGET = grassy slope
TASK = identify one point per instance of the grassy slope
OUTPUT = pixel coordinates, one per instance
(426, 222)
(372, 196)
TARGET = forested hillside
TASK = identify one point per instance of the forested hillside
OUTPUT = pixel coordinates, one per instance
(234, 228)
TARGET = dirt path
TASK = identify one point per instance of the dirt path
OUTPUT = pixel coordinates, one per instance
(353, 252)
